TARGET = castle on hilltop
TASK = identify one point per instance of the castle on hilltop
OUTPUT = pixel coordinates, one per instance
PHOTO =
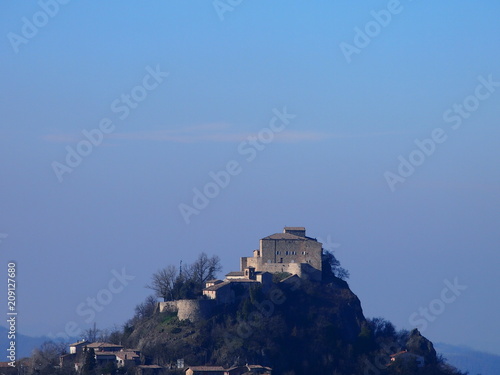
(288, 252)
(291, 251)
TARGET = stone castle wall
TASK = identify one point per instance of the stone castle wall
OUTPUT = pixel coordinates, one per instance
(189, 309)
(291, 251)
(303, 270)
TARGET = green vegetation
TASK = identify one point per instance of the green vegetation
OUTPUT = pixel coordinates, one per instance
(188, 282)
(297, 327)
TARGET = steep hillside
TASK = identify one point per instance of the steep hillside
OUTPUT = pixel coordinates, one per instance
(295, 328)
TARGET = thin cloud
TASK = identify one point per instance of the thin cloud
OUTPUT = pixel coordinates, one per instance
(61, 138)
(175, 136)
(214, 132)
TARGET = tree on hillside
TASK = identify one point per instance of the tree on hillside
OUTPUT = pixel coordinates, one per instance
(46, 357)
(331, 266)
(205, 268)
(89, 362)
(146, 308)
(91, 334)
(381, 327)
(169, 284)
(163, 282)
(115, 335)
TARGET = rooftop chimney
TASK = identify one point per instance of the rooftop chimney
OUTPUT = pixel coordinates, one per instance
(297, 231)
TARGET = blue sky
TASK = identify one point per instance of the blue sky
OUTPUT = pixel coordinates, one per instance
(119, 207)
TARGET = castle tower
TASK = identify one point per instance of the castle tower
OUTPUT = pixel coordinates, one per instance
(290, 251)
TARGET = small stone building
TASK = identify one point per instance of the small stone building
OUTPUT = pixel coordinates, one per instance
(405, 356)
(77, 347)
(236, 285)
(104, 353)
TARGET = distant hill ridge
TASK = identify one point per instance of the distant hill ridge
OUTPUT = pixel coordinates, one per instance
(467, 359)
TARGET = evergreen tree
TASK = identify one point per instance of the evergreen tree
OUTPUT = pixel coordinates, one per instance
(89, 362)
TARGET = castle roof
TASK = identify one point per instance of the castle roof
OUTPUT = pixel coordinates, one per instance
(227, 282)
(236, 273)
(216, 286)
(285, 236)
(286, 279)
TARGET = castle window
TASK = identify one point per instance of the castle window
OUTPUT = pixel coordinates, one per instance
(278, 252)
(303, 253)
(286, 252)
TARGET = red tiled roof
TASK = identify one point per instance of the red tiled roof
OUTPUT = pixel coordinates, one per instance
(106, 353)
(130, 355)
(103, 345)
(398, 353)
(84, 342)
(242, 281)
(206, 368)
(216, 286)
(236, 273)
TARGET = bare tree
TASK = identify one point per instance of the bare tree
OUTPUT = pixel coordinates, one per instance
(162, 282)
(91, 334)
(331, 267)
(146, 308)
(205, 268)
(44, 358)
(169, 284)
(115, 335)
(103, 335)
